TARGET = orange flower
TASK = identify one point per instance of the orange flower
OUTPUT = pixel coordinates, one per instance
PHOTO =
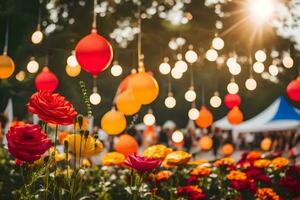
(266, 193)
(279, 163)
(254, 155)
(262, 163)
(224, 162)
(195, 188)
(163, 175)
(197, 162)
(176, 158)
(157, 151)
(113, 158)
(200, 171)
(236, 176)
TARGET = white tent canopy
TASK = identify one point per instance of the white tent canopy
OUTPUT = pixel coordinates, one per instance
(280, 115)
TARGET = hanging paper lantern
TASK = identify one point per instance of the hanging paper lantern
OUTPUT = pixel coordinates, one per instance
(232, 100)
(73, 71)
(227, 149)
(113, 122)
(46, 80)
(126, 145)
(205, 118)
(235, 116)
(205, 143)
(293, 89)
(265, 144)
(127, 103)
(94, 53)
(144, 86)
(7, 66)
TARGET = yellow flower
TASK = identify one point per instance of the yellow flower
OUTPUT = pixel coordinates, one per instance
(200, 171)
(89, 145)
(224, 162)
(236, 175)
(86, 163)
(113, 158)
(279, 163)
(163, 175)
(62, 156)
(176, 158)
(157, 151)
(197, 162)
(262, 163)
(266, 193)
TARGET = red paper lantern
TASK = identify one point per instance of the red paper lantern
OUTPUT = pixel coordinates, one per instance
(232, 100)
(205, 118)
(235, 116)
(94, 53)
(46, 80)
(293, 89)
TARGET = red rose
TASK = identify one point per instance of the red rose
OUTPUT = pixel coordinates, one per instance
(191, 192)
(141, 163)
(257, 175)
(291, 184)
(243, 185)
(52, 108)
(27, 142)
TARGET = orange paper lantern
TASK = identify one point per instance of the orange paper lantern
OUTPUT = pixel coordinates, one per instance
(235, 116)
(227, 149)
(73, 71)
(265, 144)
(127, 103)
(113, 122)
(205, 118)
(7, 66)
(205, 143)
(144, 86)
(126, 145)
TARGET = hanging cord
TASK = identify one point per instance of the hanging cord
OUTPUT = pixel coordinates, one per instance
(38, 27)
(169, 86)
(5, 49)
(203, 98)
(94, 24)
(250, 66)
(192, 76)
(140, 56)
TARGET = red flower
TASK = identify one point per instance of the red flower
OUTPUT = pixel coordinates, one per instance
(291, 184)
(191, 192)
(27, 142)
(257, 175)
(141, 163)
(243, 185)
(52, 108)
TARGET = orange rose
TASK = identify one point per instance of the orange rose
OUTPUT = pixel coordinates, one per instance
(163, 175)
(266, 193)
(236, 176)
(200, 171)
(262, 163)
(279, 163)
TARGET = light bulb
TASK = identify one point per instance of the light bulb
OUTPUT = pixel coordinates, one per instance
(190, 95)
(176, 73)
(149, 119)
(236, 69)
(260, 56)
(170, 102)
(181, 66)
(258, 67)
(260, 10)
(164, 68)
(250, 84)
(191, 56)
(20, 76)
(95, 98)
(218, 43)
(32, 66)
(37, 37)
(233, 88)
(211, 55)
(193, 113)
(287, 61)
(273, 70)
(177, 136)
(215, 101)
(231, 62)
(72, 61)
(116, 70)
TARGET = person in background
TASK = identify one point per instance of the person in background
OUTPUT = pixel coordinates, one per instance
(216, 142)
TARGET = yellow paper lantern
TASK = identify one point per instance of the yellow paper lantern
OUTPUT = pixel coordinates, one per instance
(73, 71)
(144, 86)
(7, 67)
(227, 149)
(205, 143)
(113, 122)
(265, 144)
(127, 103)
